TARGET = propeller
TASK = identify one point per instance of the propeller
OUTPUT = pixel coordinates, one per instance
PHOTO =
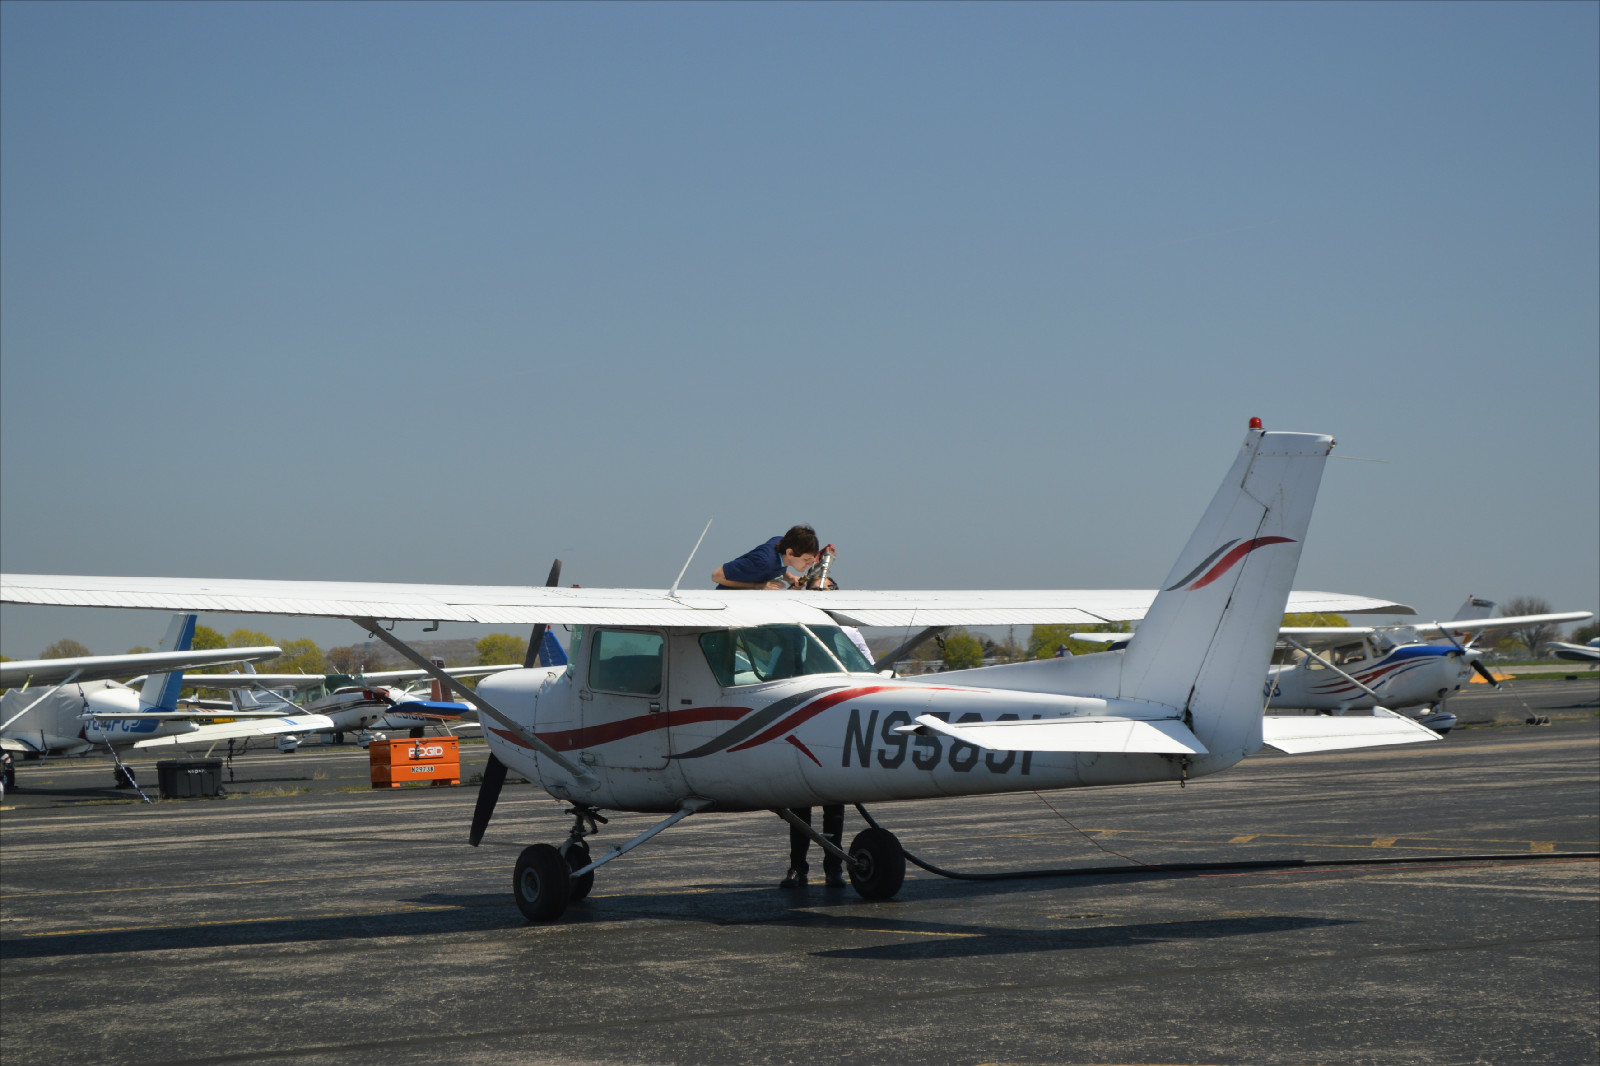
(494, 771)
(536, 639)
(494, 776)
(1472, 660)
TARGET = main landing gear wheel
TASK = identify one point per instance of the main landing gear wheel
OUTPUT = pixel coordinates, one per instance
(542, 883)
(577, 859)
(879, 864)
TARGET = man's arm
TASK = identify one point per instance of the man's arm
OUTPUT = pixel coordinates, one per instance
(727, 582)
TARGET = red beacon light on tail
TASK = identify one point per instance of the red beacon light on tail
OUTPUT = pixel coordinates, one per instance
(1255, 423)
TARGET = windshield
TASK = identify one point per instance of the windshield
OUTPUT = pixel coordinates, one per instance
(765, 653)
(843, 648)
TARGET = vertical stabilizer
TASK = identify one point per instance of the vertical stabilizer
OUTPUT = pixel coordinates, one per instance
(1206, 642)
(1475, 608)
(160, 691)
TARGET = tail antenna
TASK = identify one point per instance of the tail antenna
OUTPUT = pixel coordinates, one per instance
(673, 591)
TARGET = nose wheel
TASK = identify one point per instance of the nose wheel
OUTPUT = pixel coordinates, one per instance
(542, 883)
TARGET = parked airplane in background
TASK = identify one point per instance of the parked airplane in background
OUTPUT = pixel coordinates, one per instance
(1578, 653)
(86, 709)
(685, 702)
(1345, 668)
(265, 707)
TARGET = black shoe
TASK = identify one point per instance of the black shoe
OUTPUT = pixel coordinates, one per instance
(835, 879)
(795, 879)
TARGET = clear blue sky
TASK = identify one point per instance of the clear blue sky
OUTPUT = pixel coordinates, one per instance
(985, 292)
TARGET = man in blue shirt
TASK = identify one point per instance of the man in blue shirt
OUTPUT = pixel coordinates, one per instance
(769, 567)
(765, 567)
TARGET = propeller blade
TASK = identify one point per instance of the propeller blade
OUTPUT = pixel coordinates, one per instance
(494, 776)
(537, 637)
(1483, 672)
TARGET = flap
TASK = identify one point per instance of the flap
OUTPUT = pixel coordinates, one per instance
(1165, 736)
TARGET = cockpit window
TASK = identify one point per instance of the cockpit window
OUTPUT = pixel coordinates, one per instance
(626, 662)
(843, 648)
(765, 653)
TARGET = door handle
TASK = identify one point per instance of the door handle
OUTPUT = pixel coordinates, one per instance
(655, 705)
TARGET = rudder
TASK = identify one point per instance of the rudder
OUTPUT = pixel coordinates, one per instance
(1205, 644)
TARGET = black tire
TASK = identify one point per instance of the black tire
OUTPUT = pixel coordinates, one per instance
(881, 862)
(542, 883)
(577, 859)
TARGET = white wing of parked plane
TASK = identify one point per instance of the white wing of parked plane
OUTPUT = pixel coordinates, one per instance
(101, 667)
(383, 677)
(1323, 635)
(512, 604)
(258, 727)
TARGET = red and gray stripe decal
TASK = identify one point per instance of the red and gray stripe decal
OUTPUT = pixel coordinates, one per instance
(605, 733)
(1223, 565)
(756, 722)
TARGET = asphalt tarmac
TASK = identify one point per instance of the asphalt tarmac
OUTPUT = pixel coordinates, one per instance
(308, 918)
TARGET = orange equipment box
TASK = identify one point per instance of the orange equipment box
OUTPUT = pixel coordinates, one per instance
(436, 760)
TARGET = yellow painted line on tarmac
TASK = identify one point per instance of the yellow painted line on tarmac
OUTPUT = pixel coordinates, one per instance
(4, 896)
(240, 921)
(1419, 843)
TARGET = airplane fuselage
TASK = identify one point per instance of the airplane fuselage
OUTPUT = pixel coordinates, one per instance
(1410, 675)
(819, 738)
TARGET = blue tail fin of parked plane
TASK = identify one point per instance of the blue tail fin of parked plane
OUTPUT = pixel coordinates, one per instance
(551, 653)
(160, 691)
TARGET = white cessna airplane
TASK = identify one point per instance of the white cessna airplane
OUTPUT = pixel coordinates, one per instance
(1346, 668)
(84, 708)
(678, 702)
(262, 707)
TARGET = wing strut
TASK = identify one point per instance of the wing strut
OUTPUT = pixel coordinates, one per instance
(1330, 666)
(888, 661)
(484, 706)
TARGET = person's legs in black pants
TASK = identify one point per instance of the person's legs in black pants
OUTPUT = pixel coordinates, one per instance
(798, 843)
(833, 829)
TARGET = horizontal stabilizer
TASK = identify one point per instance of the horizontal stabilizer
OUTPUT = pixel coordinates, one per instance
(1298, 735)
(1166, 736)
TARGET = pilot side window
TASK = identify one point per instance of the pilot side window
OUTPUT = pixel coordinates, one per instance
(626, 662)
(765, 653)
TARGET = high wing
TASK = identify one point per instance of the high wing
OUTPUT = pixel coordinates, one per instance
(1326, 635)
(313, 680)
(261, 727)
(514, 604)
(101, 667)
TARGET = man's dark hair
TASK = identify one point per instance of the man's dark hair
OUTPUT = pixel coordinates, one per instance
(800, 540)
